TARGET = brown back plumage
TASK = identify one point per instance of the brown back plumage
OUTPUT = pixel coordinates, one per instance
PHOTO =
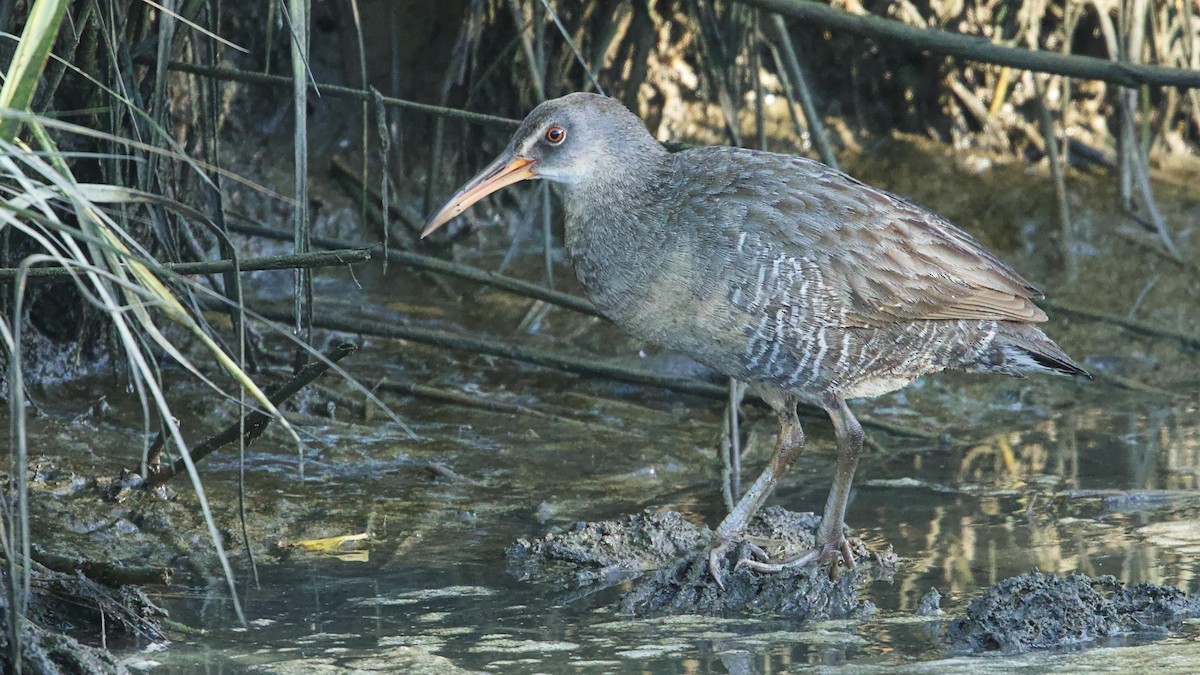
(894, 260)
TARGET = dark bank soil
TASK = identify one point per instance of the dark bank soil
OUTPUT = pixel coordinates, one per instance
(94, 599)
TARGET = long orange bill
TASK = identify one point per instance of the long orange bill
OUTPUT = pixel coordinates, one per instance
(505, 171)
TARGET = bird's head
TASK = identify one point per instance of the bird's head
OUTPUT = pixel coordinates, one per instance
(574, 140)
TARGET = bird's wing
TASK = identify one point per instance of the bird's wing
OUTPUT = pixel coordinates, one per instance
(910, 264)
(889, 259)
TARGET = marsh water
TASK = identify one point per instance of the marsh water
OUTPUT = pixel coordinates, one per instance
(1000, 477)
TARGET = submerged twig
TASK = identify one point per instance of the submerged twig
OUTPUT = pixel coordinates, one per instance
(489, 403)
(441, 470)
(254, 424)
(103, 572)
(1134, 385)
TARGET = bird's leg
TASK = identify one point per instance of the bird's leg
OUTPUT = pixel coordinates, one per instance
(831, 542)
(729, 449)
(787, 448)
(830, 537)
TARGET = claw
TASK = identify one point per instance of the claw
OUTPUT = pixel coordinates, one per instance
(847, 554)
(717, 553)
(760, 561)
(757, 552)
(714, 562)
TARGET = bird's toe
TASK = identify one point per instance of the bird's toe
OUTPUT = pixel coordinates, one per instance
(716, 553)
(830, 552)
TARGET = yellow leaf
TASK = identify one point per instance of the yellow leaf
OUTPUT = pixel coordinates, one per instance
(329, 544)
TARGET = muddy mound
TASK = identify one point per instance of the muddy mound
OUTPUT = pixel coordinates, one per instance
(608, 549)
(1046, 611)
(667, 555)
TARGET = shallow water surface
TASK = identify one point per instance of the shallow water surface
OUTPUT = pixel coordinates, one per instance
(1063, 496)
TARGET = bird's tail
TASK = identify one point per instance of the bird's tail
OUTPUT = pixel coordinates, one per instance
(1020, 349)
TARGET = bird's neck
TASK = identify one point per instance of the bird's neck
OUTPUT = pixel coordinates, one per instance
(627, 180)
(616, 229)
(618, 203)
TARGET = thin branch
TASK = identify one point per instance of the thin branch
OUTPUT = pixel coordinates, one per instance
(1189, 340)
(1057, 173)
(248, 77)
(571, 43)
(980, 49)
(424, 262)
(336, 258)
(816, 128)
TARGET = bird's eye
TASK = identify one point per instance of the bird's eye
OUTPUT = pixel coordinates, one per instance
(556, 135)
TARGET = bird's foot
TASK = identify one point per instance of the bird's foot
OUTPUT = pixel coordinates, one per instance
(721, 546)
(716, 553)
(833, 551)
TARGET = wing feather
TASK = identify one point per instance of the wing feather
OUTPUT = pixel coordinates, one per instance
(889, 259)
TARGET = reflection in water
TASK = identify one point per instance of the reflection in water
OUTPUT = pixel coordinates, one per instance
(1071, 494)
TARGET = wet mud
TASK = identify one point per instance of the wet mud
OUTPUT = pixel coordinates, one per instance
(86, 594)
(66, 604)
(87, 599)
